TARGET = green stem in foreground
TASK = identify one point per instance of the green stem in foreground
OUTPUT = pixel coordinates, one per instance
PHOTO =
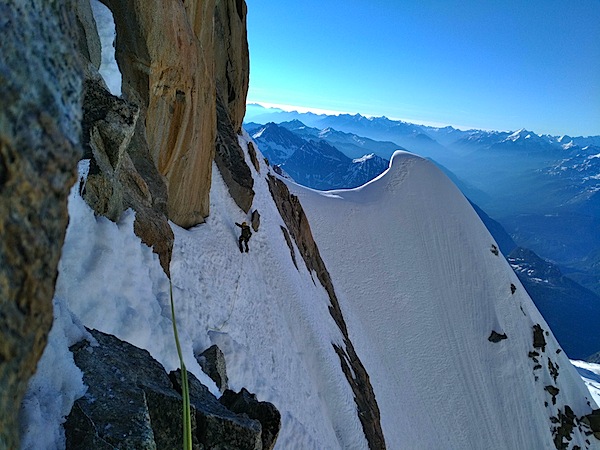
(185, 392)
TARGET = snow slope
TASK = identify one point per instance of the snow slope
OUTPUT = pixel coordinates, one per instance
(270, 319)
(421, 291)
(419, 288)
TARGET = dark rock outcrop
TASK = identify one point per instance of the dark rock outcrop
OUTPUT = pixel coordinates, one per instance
(593, 422)
(232, 59)
(230, 160)
(295, 219)
(253, 157)
(212, 362)
(88, 42)
(107, 128)
(288, 241)
(496, 337)
(553, 391)
(246, 403)
(565, 422)
(122, 174)
(539, 341)
(40, 113)
(255, 220)
(132, 403)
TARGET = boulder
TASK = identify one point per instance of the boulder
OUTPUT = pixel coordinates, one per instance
(40, 125)
(246, 403)
(132, 403)
(212, 362)
(496, 337)
(255, 220)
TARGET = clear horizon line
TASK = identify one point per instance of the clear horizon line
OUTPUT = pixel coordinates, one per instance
(434, 124)
(331, 112)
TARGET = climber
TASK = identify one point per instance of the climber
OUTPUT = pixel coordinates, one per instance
(245, 236)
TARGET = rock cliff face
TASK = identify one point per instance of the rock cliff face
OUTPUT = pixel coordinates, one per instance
(151, 150)
(176, 57)
(40, 116)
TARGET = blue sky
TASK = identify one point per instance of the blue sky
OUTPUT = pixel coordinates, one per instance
(487, 64)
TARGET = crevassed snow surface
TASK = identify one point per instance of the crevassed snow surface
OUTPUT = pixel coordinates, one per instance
(418, 285)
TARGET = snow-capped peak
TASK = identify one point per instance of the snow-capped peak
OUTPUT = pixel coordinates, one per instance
(364, 158)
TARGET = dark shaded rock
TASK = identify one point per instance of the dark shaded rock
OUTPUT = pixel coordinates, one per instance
(246, 403)
(146, 193)
(88, 42)
(534, 356)
(212, 362)
(122, 174)
(114, 409)
(217, 426)
(593, 422)
(497, 337)
(40, 126)
(563, 432)
(295, 219)
(553, 391)
(131, 403)
(229, 158)
(288, 240)
(539, 341)
(232, 58)
(253, 158)
(553, 369)
(107, 128)
(494, 250)
(255, 220)
(513, 288)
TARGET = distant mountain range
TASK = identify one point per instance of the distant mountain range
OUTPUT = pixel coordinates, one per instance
(310, 157)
